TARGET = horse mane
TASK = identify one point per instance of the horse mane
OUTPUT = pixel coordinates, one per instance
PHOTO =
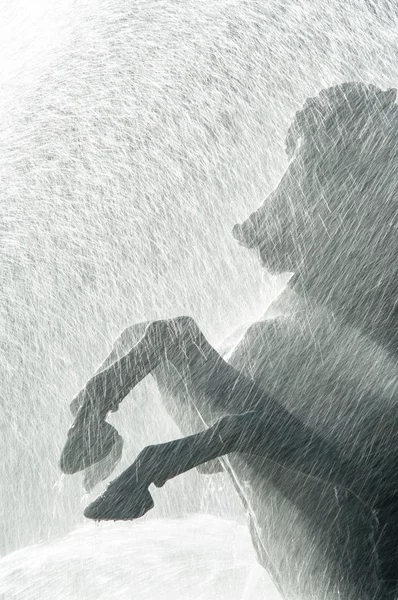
(340, 113)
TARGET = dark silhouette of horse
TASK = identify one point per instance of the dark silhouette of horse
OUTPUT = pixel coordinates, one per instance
(305, 411)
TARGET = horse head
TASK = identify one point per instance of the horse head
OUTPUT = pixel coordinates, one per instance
(333, 218)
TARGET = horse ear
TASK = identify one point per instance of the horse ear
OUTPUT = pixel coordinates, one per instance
(390, 95)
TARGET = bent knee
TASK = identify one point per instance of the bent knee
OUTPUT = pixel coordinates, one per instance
(130, 336)
(177, 326)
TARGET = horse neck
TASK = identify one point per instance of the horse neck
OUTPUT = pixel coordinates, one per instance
(375, 316)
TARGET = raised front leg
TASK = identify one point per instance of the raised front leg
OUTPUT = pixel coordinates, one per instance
(215, 385)
(285, 441)
(127, 497)
(172, 388)
(215, 388)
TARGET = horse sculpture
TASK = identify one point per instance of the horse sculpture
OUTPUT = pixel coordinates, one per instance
(305, 410)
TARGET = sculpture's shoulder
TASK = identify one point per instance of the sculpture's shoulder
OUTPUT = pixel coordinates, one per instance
(261, 341)
(312, 355)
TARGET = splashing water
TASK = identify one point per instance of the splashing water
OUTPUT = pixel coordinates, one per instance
(196, 558)
(134, 135)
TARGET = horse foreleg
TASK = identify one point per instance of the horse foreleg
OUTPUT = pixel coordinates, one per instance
(126, 340)
(170, 385)
(172, 388)
(268, 429)
(178, 341)
(127, 497)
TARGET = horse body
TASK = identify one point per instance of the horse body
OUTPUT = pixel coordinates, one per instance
(333, 219)
(319, 540)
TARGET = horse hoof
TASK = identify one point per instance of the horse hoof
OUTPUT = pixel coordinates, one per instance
(118, 504)
(77, 402)
(86, 447)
